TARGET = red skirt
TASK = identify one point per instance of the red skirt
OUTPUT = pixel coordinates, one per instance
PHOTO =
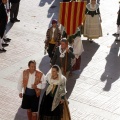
(76, 66)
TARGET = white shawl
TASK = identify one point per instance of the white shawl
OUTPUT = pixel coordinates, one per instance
(90, 8)
(61, 90)
(78, 47)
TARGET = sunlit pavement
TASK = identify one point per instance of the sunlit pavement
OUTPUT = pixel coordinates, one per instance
(94, 91)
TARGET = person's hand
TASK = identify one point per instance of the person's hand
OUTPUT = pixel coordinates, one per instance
(46, 43)
(56, 44)
(67, 49)
(20, 95)
(61, 101)
(46, 46)
(34, 86)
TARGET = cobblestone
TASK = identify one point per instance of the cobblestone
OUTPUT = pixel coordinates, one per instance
(93, 91)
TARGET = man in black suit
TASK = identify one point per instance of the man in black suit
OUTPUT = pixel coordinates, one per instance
(3, 23)
(14, 10)
(63, 57)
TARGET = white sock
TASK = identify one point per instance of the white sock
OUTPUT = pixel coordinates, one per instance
(5, 36)
(1, 43)
(119, 30)
(119, 37)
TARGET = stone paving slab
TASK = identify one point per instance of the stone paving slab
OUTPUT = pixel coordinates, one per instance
(93, 91)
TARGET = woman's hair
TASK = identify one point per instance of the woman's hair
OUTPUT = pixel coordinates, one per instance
(31, 61)
(55, 67)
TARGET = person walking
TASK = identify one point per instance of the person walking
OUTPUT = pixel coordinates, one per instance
(54, 105)
(3, 23)
(92, 26)
(31, 81)
(63, 57)
(53, 36)
(14, 10)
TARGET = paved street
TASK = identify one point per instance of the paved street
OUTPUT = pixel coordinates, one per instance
(93, 92)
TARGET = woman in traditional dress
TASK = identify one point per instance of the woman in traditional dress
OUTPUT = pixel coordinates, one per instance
(76, 43)
(77, 50)
(54, 105)
(92, 27)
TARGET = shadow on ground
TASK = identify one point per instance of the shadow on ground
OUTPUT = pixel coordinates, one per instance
(43, 2)
(112, 68)
(53, 11)
(44, 65)
(89, 51)
(9, 26)
(21, 114)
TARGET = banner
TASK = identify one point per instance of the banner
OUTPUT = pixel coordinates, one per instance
(71, 15)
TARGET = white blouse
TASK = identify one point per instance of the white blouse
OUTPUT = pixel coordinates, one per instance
(53, 32)
(31, 81)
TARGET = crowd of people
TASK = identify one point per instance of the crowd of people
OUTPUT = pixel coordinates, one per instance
(54, 105)
(65, 56)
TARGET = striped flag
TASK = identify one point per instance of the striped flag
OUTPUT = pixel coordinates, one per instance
(71, 15)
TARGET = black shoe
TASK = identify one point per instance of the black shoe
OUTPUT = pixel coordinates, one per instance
(5, 44)
(118, 40)
(3, 50)
(7, 40)
(12, 20)
(115, 35)
(16, 20)
(91, 41)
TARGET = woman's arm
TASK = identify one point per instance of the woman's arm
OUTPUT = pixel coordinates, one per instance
(64, 90)
(98, 11)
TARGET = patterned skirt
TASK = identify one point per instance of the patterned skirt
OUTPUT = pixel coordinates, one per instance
(45, 112)
(60, 113)
(92, 27)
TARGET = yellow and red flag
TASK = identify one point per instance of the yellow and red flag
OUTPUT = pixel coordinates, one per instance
(71, 15)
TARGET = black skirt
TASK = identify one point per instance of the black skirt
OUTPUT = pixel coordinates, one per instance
(45, 112)
(30, 102)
